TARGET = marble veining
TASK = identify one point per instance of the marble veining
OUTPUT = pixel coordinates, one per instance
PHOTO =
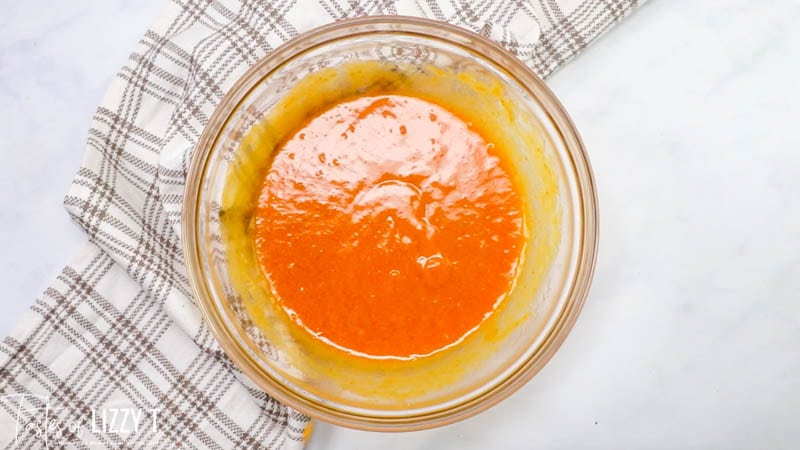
(688, 110)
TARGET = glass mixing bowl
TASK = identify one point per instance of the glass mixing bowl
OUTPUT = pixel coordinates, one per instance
(437, 60)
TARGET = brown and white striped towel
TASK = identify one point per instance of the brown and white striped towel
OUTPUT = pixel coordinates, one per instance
(114, 354)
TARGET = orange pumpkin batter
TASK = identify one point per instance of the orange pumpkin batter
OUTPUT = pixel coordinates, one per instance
(389, 227)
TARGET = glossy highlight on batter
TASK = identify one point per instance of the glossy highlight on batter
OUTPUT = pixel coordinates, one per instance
(388, 226)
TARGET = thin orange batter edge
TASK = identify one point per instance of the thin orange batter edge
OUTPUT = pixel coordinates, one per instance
(388, 226)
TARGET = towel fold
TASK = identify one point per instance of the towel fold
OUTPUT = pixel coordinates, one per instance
(115, 353)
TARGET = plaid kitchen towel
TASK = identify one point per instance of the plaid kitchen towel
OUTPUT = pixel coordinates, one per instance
(115, 354)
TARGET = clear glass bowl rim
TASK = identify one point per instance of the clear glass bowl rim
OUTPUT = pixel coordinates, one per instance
(430, 29)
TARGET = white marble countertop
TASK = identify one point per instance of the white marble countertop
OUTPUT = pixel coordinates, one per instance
(689, 111)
